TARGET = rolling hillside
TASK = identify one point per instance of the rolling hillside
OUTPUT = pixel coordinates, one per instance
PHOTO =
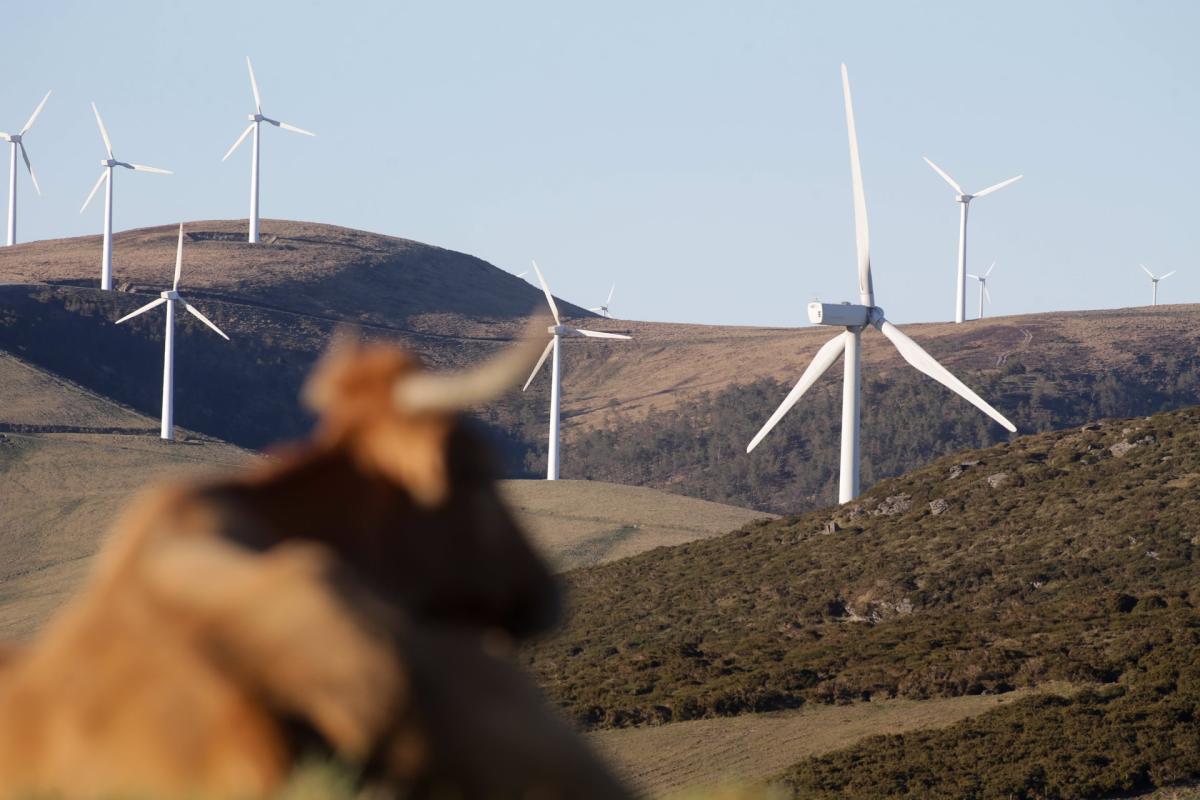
(1069, 556)
(583, 523)
(671, 410)
(69, 461)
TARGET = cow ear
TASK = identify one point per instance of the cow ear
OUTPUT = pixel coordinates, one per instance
(411, 453)
(321, 387)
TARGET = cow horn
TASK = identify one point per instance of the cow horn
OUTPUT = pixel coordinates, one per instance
(426, 392)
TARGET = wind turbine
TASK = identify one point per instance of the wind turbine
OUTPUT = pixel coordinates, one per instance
(983, 292)
(602, 309)
(854, 318)
(171, 298)
(557, 331)
(106, 177)
(256, 120)
(960, 307)
(16, 141)
(1154, 283)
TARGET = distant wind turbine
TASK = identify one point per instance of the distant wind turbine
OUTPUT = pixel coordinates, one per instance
(602, 309)
(960, 306)
(854, 318)
(171, 298)
(256, 120)
(16, 141)
(1154, 282)
(983, 292)
(106, 177)
(557, 331)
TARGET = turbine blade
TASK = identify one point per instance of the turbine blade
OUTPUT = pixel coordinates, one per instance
(91, 194)
(29, 167)
(600, 334)
(986, 294)
(191, 309)
(1148, 272)
(35, 113)
(549, 297)
(103, 132)
(989, 269)
(538, 365)
(997, 187)
(294, 129)
(973, 275)
(144, 168)
(862, 236)
(953, 183)
(821, 362)
(178, 259)
(254, 86)
(142, 310)
(240, 139)
(918, 358)
(608, 302)
(1169, 274)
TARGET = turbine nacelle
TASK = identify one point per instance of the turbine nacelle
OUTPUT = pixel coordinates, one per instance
(15, 138)
(170, 294)
(843, 315)
(963, 198)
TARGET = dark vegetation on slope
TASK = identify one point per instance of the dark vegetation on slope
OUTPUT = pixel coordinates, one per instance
(1061, 556)
(908, 421)
(1139, 733)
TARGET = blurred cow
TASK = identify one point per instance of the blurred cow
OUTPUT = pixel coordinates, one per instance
(336, 596)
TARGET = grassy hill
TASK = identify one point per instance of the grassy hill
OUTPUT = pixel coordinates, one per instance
(671, 410)
(70, 459)
(1068, 556)
(582, 523)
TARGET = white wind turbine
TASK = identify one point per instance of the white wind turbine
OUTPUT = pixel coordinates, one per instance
(1154, 283)
(983, 292)
(256, 120)
(171, 298)
(602, 309)
(854, 318)
(960, 307)
(16, 141)
(557, 331)
(106, 177)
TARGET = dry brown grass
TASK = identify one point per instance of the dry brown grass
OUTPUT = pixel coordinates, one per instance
(701, 754)
(581, 523)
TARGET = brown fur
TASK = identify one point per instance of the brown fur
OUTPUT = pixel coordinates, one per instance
(311, 590)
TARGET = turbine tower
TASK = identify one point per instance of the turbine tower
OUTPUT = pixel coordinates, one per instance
(983, 292)
(171, 298)
(1154, 283)
(256, 120)
(964, 199)
(854, 318)
(16, 141)
(602, 309)
(557, 331)
(106, 177)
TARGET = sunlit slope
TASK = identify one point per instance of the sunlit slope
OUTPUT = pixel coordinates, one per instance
(580, 523)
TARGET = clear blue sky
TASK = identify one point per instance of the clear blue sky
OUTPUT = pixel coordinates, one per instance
(692, 152)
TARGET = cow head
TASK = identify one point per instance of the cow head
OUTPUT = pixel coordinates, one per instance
(442, 539)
